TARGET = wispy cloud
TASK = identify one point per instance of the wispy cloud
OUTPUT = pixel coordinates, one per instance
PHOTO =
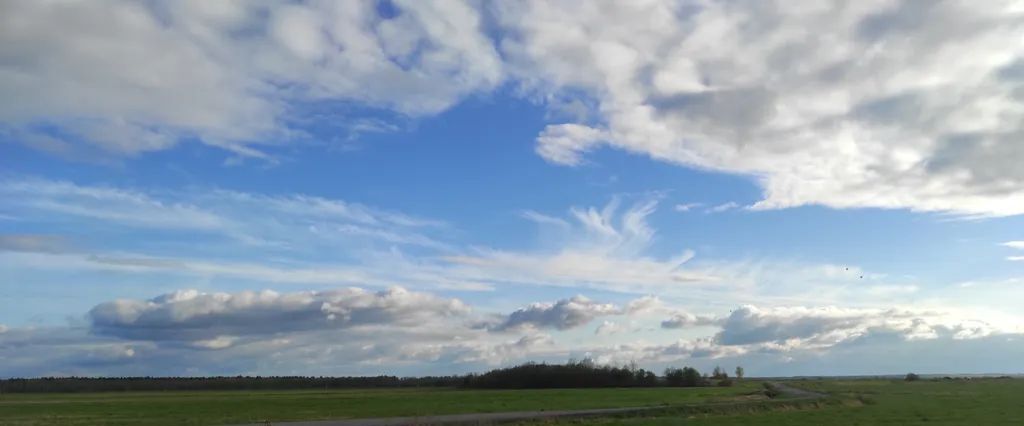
(605, 250)
(1014, 244)
(685, 207)
(34, 243)
(299, 239)
(291, 221)
(724, 207)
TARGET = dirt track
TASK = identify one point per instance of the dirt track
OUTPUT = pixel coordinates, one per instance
(792, 392)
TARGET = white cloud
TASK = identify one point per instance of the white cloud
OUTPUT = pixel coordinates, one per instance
(605, 248)
(561, 315)
(1014, 244)
(566, 143)
(130, 77)
(608, 328)
(300, 239)
(822, 327)
(219, 342)
(831, 104)
(29, 198)
(685, 207)
(670, 353)
(188, 332)
(288, 221)
(644, 305)
(544, 219)
(686, 320)
(215, 320)
(732, 205)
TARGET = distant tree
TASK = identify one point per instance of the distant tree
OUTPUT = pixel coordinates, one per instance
(691, 377)
(719, 373)
(739, 372)
(674, 376)
(650, 379)
(911, 377)
(644, 378)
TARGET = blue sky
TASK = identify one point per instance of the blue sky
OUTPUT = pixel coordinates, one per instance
(424, 188)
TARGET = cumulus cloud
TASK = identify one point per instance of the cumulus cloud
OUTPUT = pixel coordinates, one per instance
(831, 104)
(561, 315)
(574, 312)
(566, 143)
(130, 77)
(674, 352)
(822, 327)
(827, 104)
(608, 328)
(214, 320)
(686, 320)
(189, 333)
(643, 305)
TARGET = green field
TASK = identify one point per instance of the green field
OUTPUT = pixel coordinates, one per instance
(212, 407)
(851, 402)
(873, 402)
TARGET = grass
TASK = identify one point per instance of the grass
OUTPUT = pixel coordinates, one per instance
(865, 402)
(852, 402)
(233, 407)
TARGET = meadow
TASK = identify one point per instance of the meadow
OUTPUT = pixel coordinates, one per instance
(233, 407)
(869, 402)
(850, 402)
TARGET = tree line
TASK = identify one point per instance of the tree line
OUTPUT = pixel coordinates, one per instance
(574, 374)
(125, 384)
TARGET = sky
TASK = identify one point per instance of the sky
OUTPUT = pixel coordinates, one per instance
(419, 187)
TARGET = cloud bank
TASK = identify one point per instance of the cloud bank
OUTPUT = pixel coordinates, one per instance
(219, 318)
(350, 330)
(846, 106)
